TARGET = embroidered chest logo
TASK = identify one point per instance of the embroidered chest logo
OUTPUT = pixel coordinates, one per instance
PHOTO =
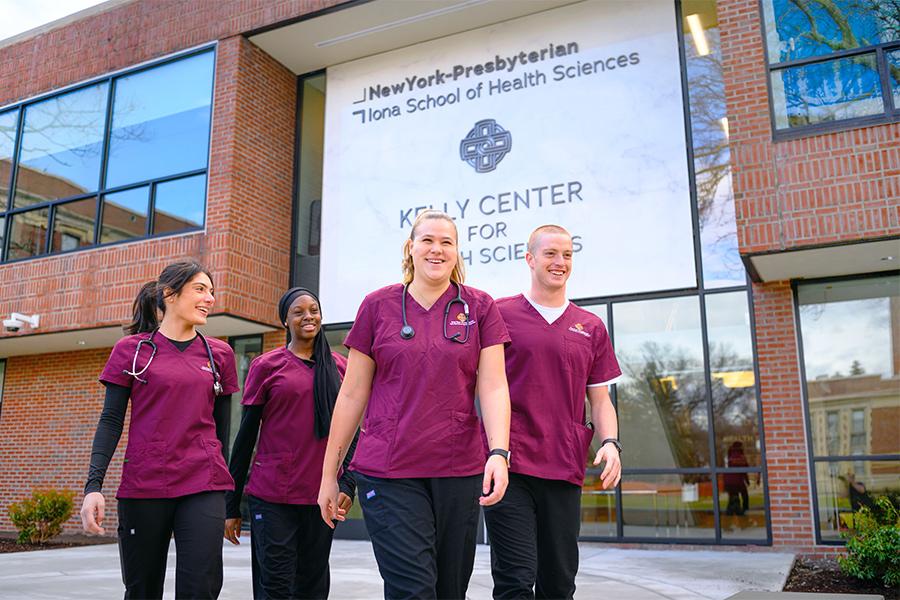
(206, 367)
(461, 320)
(579, 329)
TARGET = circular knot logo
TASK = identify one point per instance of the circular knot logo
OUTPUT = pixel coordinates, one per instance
(485, 145)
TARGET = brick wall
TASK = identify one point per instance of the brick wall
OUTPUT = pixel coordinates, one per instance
(835, 187)
(783, 416)
(51, 404)
(829, 188)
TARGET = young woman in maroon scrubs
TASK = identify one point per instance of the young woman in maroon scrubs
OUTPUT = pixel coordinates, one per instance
(174, 476)
(418, 353)
(291, 391)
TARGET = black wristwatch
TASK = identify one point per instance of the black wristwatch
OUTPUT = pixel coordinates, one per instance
(501, 452)
(614, 442)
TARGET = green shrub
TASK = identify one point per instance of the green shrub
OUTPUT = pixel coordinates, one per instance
(873, 544)
(40, 517)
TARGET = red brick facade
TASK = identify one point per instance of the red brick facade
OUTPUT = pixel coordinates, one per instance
(828, 188)
(821, 189)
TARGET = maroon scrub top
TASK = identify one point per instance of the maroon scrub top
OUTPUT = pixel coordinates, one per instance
(287, 468)
(172, 446)
(421, 419)
(548, 367)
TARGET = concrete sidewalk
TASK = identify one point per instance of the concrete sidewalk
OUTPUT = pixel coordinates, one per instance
(93, 572)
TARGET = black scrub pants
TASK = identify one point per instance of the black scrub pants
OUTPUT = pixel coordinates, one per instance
(423, 533)
(291, 546)
(534, 538)
(145, 528)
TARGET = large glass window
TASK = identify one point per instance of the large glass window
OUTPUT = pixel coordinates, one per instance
(144, 157)
(160, 121)
(722, 265)
(662, 394)
(9, 122)
(62, 146)
(851, 357)
(831, 60)
(308, 213)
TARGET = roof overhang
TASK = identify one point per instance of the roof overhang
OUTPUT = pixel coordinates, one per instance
(826, 261)
(364, 28)
(106, 337)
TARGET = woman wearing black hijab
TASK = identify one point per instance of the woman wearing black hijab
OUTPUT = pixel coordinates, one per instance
(291, 391)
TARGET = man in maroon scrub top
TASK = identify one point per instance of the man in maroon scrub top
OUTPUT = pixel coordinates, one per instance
(558, 353)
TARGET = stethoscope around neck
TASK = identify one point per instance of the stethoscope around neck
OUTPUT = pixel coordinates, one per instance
(217, 385)
(407, 332)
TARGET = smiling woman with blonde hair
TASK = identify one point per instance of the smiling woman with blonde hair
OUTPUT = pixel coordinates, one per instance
(419, 351)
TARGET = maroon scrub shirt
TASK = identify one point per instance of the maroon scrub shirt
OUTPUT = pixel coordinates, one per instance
(421, 419)
(172, 446)
(548, 367)
(287, 468)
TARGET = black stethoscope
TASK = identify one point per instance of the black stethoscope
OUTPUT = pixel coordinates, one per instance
(407, 332)
(217, 385)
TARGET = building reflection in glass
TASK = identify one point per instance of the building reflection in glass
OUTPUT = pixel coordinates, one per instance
(663, 415)
(851, 352)
(62, 142)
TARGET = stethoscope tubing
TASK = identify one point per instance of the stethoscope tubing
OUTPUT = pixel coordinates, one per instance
(407, 332)
(217, 385)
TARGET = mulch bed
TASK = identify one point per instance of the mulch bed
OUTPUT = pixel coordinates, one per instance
(825, 576)
(8, 543)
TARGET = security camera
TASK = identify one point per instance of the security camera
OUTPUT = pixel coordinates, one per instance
(12, 325)
(17, 321)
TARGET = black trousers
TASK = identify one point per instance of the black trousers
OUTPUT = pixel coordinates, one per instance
(534, 538)
(145, 528)
(291, 546)
(423, 533)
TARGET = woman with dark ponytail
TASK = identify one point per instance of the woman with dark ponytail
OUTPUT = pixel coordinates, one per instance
(174, 476)
(291, 391)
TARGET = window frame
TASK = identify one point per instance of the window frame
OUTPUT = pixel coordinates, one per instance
(812, 460)
(891, 112)
(8, 211)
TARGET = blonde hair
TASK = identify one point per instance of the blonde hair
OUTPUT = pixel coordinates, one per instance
(532, 239)
(458, 275)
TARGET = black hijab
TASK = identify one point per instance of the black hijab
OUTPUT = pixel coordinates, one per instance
(326, 379)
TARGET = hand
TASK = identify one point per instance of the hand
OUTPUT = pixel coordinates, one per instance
(329, 503)
(233, 530)
(92, 511)
(612, 473)
(344, 503)
(496, 471)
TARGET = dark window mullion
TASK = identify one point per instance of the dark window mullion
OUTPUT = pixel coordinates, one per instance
(151, 210)
(887, 93)
(800, 62)
(14, 164)
(51, 217)
(104, 158)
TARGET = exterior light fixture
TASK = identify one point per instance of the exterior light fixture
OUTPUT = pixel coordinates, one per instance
(698, 34)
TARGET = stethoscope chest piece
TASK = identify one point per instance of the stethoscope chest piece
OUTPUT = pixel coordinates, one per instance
(407, 332)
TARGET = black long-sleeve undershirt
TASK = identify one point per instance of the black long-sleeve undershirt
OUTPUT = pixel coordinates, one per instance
(242, 454)
(112, 422)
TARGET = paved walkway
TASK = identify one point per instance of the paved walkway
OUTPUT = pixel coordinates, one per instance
(93, 572)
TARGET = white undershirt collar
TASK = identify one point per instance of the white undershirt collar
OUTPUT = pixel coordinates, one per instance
(550, 313)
